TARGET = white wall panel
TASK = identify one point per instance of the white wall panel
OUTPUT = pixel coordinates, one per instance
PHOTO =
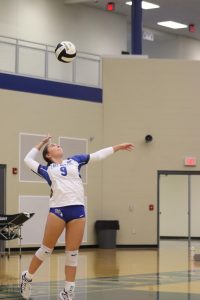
(58, 70)
(87, 71)
(7, 57)
(32, 62)
(33, 229)
(26, 143)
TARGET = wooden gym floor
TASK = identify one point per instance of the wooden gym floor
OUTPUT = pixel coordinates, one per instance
(128, 274)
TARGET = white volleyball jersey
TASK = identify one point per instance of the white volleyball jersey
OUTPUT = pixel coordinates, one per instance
(65, 181)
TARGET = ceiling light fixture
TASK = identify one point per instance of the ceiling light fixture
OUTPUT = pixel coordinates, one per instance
(145, 5)
(172, 24)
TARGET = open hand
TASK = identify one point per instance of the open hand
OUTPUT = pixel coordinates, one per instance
(124, 146)
(127, 146)
(46, 139)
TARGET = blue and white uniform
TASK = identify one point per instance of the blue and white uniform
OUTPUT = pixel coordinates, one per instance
(64, 179)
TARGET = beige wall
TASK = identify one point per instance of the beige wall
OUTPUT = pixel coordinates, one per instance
(160, 97)
(21, 112)
(140, 97)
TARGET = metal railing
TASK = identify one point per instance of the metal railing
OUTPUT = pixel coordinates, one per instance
(39, 61)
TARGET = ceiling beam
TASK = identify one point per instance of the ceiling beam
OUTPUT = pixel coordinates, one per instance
(76, 1)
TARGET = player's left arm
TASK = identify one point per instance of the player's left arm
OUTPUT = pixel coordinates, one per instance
(106, 152)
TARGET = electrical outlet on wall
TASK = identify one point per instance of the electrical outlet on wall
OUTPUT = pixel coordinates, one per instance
(133, 231)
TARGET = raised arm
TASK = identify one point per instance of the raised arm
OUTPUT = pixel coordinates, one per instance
(104, 153)
(31, 155)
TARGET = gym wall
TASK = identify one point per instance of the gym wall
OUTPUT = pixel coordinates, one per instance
(146, 96)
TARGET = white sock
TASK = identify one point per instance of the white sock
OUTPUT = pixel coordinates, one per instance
(29, 276)
(69, 286)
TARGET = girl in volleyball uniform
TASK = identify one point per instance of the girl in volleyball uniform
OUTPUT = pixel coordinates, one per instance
(66, 208)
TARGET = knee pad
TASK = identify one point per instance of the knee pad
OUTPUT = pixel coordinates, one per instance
(43, 252)
(71, 259)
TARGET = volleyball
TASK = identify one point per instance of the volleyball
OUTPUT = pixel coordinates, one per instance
(65, 51)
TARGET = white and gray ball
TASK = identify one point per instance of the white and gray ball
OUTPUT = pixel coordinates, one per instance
(65, 51)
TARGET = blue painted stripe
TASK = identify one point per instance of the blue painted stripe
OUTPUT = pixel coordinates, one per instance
(50, 88)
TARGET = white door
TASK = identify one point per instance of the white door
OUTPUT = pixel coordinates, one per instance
(173, 205)
(195, 206)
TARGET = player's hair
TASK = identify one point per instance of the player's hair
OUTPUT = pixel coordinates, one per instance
(44, 154)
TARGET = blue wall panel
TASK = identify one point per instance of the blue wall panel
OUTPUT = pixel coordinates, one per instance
(50, 88)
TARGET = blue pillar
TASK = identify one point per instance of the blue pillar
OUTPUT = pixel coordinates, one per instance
(136, 27)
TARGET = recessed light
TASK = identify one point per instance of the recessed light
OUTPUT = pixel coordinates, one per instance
(172, 24)
(148, 5)
(145, 5)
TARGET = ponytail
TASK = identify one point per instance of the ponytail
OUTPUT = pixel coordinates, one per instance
(44, 154)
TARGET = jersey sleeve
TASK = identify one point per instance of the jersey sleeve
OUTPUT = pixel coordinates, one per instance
(81, 159)
(42, 171)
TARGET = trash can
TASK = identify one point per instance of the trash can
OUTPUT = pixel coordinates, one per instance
(106, 231)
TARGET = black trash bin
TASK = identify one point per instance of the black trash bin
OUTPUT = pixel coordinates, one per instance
(106, 231)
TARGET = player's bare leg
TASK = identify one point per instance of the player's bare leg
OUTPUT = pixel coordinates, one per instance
(53, 229)
(73, 239)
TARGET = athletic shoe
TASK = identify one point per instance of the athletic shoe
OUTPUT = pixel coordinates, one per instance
(66, 295)
(25, 286)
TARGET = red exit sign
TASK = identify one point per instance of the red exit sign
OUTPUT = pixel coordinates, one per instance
(110, 6)
(190, 161)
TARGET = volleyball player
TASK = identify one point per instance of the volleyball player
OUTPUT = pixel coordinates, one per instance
(66, 208)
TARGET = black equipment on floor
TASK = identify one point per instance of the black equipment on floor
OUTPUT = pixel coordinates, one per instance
(10, 227)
